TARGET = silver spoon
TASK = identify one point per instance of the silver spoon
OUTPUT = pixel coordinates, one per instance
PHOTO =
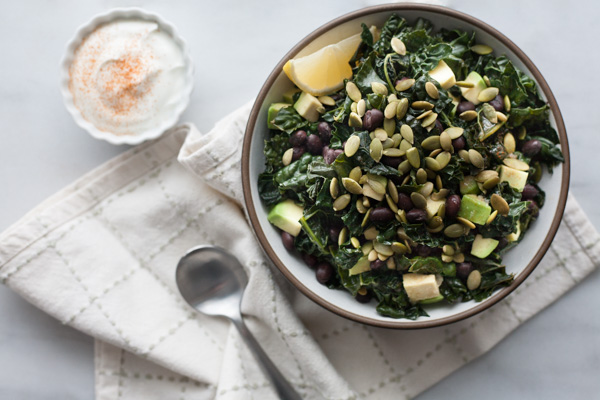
(212, 281)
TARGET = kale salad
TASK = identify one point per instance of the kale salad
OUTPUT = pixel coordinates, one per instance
(407, 184)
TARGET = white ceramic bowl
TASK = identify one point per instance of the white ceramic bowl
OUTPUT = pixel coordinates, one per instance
(83, 32)
(520, 261)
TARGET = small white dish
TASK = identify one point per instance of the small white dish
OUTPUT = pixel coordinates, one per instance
(82, 32)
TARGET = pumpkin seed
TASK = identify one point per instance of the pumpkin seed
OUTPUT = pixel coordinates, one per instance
(341, 202)
(501, 117)
(454, 231)
(389, 126)
(468, 115)
(405, 145)
(355, 242)
(474, 280)
(405, 85)
(397, 138)
(360, 207)
(427, 189)
(429, 120)
(488, 94)
(422, 105)
(355, 174)
(398, 46)
(432, 90)
(371, 233)
(365, 201)
(487, 80)
(446, 258)
(402, 216)
(379, 88)
(393, 152)
(431, 143)
(401, 108)
(418, 200)
(343, 236)
(404, 167)
(442, 211)
(361, 107)
(435, 152)
(438, 182)
(492, 217)
(380, 134)
(352, 186)
(476, 158)
(491, 183)
(447, 249)
(509, 143)
(507, 103)
(412, 155)
(372, 255)
(432, 164)
(435, 222)
(399, 248)
(353, 106)
(334, 189)
(435, 230)
(363, 179)
(392, 97)
(522, 133)
(485, 175)
(464, 154)
(454, 132)
(440, 195)
(376, 186)
(490, 113)
(354, 121)
(376, 149)
(353, 91)
(402, 234)
(392, 190)
(391, 264)
(446, 141)
(482, 49)
(383, 249)
(466, 222)
(352, 145)
(326, 100)
(443, 159)
(390, 110)
(382, 257)
(421, 176)
(366, 218)
(366, 248)
(499, 204)
(516, 164)
(391, 203)
(458, 258)
(286, 159)
(425, 114)
(465, 84)
(407, 133)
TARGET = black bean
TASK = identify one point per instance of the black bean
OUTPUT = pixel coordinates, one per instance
(324, 131)
(337, 153)
(324, 272)
(375, 265)
(314, 144)
(310, 260)
(298, 152)
(364, 298)
(324, 151)
(381, 214)
(298, 138)
(459, 143)
(533, 208)
(502, 243)
(372, 119)
(439, 126)
(529, 192)
(328, 155)
(288, 240)
(464, 106)
(404, 202)
(334, 233)
(395, 178)
(423, 250)
(452, 205)
(391, 161)
(498, 103)
(463, 270)
(531, 147)
(416, 216)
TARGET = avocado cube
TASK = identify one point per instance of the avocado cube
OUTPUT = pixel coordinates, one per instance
(286, 216)
(515, 178)
(475, 209)
(443, 74)
(433, 206)
(272, 113)
(420, 286)
(362, 265)
(309, 107)
(471, 94)
(483, 247)
(288, 95)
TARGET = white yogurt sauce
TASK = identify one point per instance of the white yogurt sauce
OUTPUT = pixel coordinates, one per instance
(127, 76)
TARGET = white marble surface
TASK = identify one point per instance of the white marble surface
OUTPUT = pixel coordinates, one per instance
(234, 44)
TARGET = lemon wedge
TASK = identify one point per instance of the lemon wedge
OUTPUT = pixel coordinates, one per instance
(323, 72)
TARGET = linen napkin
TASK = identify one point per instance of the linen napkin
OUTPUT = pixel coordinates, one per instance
(100, 256)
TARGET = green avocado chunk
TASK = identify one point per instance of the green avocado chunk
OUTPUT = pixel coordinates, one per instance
(272, 113)
(471, 94)
(309, 107)
(286, 216)
(483, 247)
(469, 186)
(474, 209)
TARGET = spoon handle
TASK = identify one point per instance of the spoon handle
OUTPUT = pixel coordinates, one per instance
(282, 386)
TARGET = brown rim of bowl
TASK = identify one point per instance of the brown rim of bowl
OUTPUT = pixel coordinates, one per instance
(393, 323)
